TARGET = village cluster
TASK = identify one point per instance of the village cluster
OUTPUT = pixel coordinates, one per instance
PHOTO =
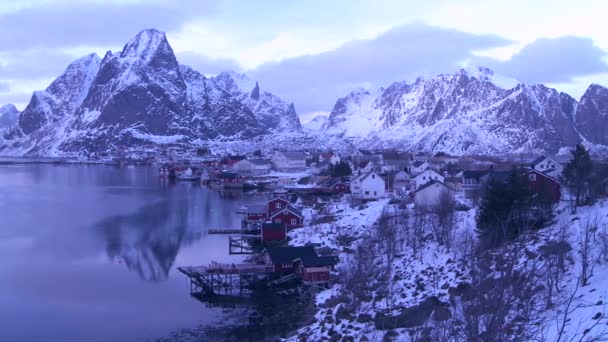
(418, 178)
(297, 180)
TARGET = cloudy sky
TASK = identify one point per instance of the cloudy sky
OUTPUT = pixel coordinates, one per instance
(313, 51)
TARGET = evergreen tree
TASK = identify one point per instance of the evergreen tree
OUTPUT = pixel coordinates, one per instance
(507, 210)
(341, 169)
(577, 174)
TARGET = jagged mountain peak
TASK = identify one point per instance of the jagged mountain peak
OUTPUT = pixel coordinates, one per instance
(592, 114)
(274, 114)
(146, 44)
(140, 96)
(470, 111)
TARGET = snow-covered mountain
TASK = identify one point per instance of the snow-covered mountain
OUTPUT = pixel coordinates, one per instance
(140, 96)
(316, 124)
(9, 116)
(271, 112)
(471, 111)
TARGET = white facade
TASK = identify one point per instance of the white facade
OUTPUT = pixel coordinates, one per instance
(368, 186)
(430, 195)
(549, 167)
(332, 158)
(401, 180)
(289, 161)
(427, 176)
(254, 167)
(419, 167)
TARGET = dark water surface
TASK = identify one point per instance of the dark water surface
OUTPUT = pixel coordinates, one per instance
(89, 253)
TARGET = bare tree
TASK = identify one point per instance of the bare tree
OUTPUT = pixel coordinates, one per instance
(587, 245)
(386, 234)
(554, 254)
(443, 219)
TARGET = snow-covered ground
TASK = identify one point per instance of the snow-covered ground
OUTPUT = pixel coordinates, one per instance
(432, 272)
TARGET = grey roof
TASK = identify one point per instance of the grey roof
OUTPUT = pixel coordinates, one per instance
(259, 161)
(473, 174)
(294, 154)
(538, 160)
(289, 208)
(432, 183)
(307, 254)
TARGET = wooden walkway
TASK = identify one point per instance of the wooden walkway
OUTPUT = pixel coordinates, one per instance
(232, 231)
(221, 268)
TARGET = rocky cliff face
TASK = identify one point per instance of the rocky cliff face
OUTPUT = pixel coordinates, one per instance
(139, 96)
(591, 117)
(9, 116)
(272, 113)
(471, 111)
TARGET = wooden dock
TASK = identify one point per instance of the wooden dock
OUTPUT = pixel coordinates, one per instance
(232, 231)
(223, 279)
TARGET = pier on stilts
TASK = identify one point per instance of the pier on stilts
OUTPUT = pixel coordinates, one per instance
(242, 244)
(223, 279)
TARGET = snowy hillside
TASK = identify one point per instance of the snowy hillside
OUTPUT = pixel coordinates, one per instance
(316, 124)
(471, 111)
(427, 282)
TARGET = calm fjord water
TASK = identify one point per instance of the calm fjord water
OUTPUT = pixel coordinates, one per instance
(89, 253)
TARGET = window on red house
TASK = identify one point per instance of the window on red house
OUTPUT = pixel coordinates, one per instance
(294, 221)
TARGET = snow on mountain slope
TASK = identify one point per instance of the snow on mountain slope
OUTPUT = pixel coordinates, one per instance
(137, 97)
(274, 114)
(9, 116)
(316, 124)
(459, 113)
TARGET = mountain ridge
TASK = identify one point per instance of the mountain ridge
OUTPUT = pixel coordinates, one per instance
(137, 97)
(465, 112)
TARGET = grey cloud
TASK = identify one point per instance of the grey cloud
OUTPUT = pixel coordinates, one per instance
(59, 25)
(553, 60)
(34, 64)
(4, 88)
(314, 82)
(206, 65)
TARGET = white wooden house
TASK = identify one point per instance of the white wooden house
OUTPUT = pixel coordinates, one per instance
(427, 176)
(548, 166)
(401, 180)
(289, 161)
(368, 186)
(252, 167)
(430, 194)
(418, 167)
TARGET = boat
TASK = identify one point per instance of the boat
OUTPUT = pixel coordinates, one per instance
(186, 175)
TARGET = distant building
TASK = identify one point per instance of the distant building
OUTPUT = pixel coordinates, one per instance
(548, 166)
(545, 186)
(427, 176)
(368, 186)
(418, 167)
(332, 158)
(252, 167)
(401, 180)
(274, 231)
(430, 194)
(289, 161)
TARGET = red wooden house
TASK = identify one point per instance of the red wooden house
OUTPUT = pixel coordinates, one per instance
(290, 216)
(302, 261)
(336, 186)
(547, 187)
(276, 203)
(274, 231)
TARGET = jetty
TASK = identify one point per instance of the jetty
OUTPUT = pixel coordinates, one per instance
(223, 279)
